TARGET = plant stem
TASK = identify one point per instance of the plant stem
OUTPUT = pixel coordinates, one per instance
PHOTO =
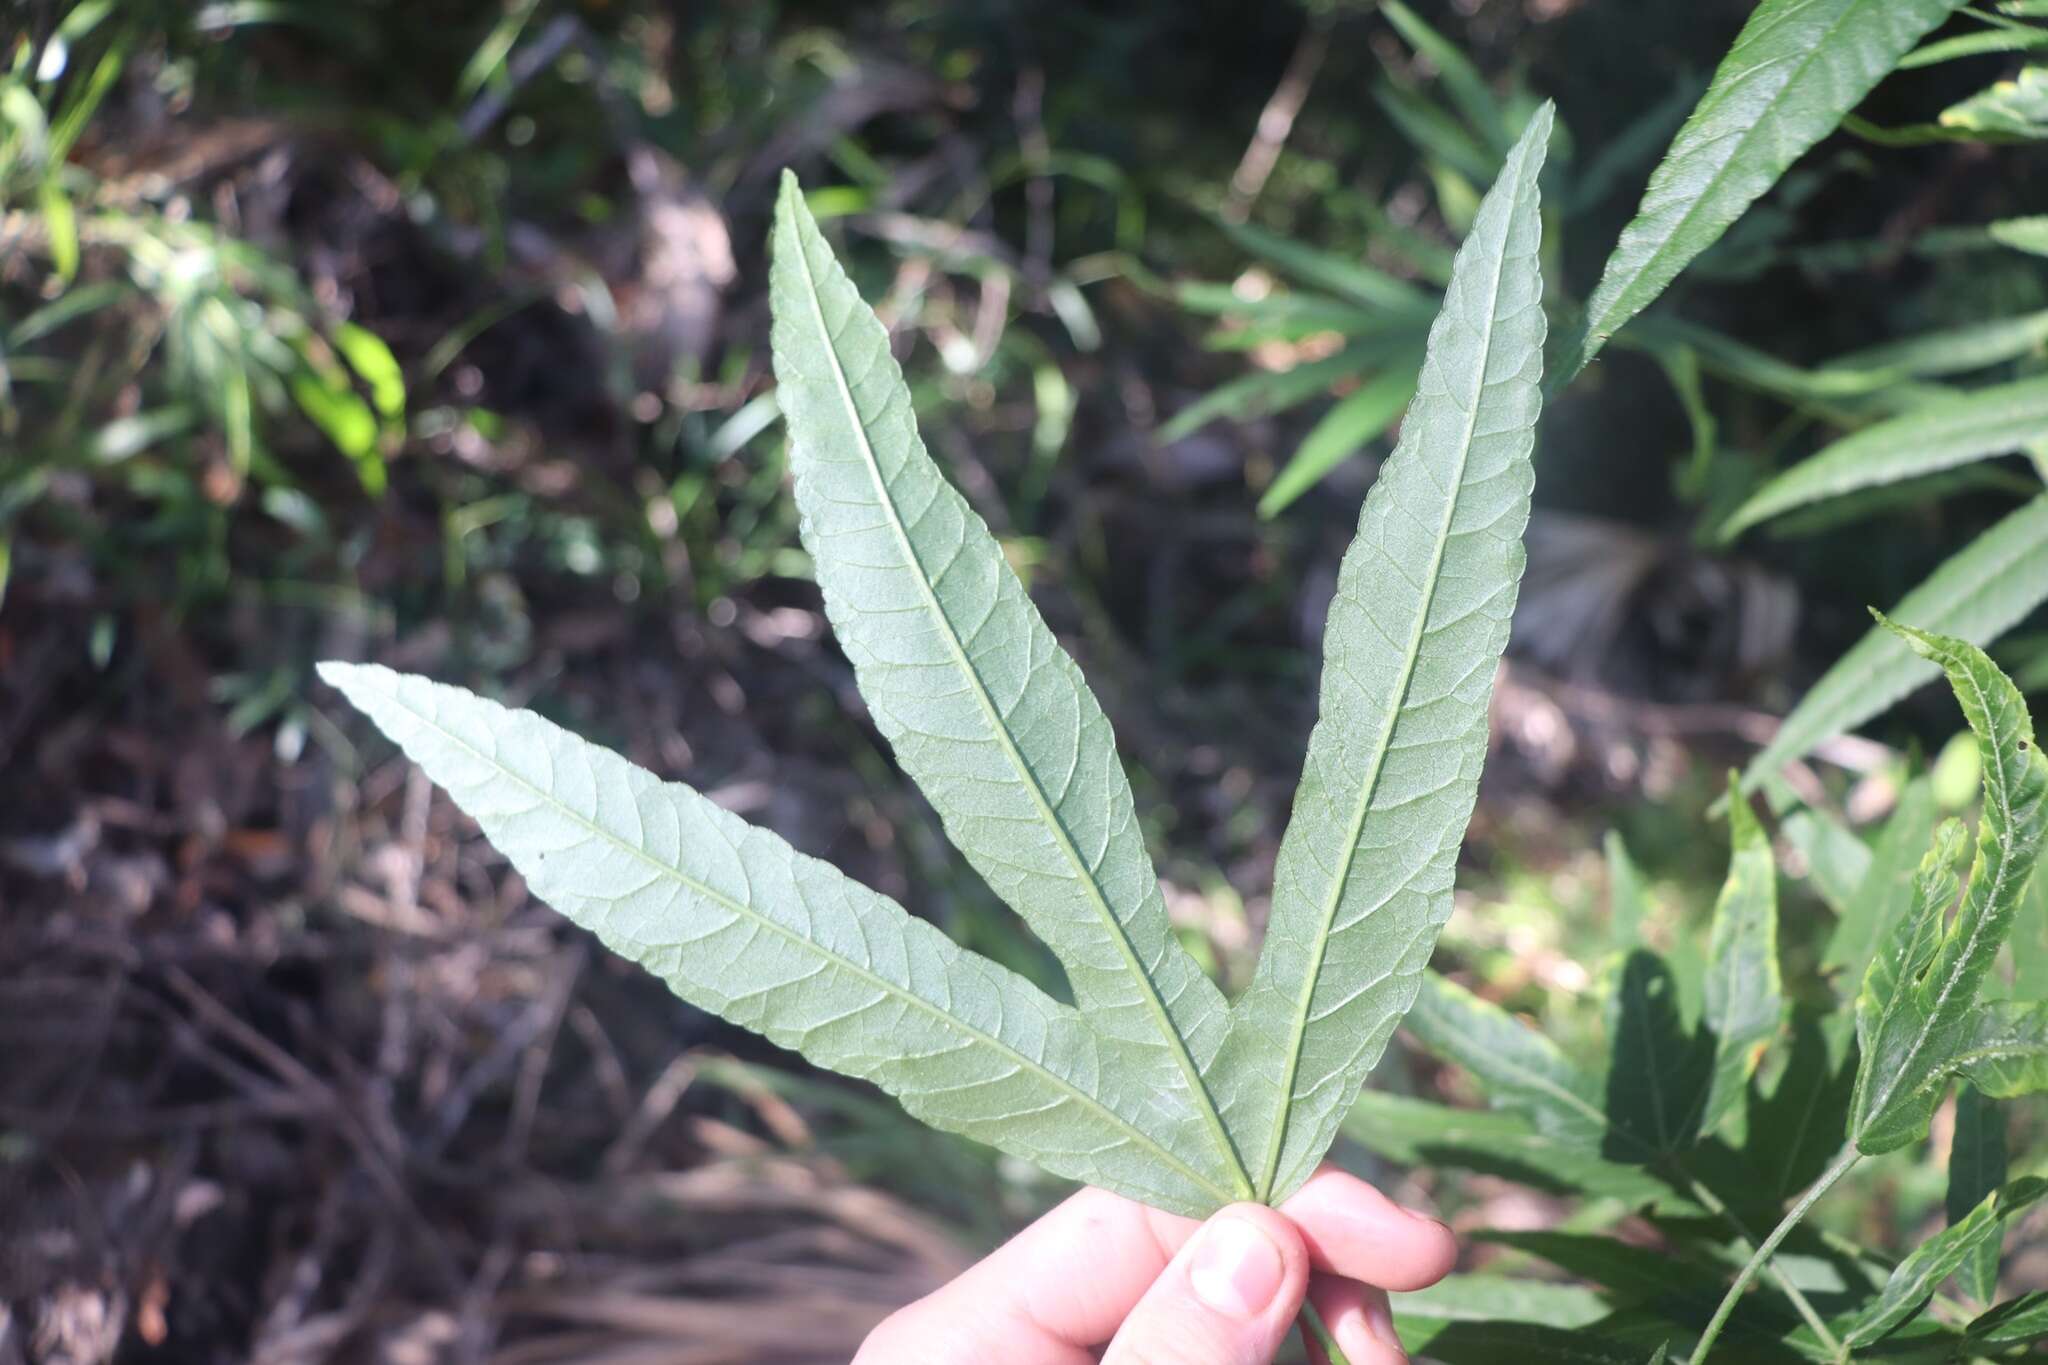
(1840, 1167)
(1313, 1328)
(1711, 1202)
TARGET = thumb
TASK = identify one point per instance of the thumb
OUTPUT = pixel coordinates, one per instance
(1228, 1298)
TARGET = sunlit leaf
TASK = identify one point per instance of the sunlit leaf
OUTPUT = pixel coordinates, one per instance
(1796, 69)
(1360, 416)
(1415, 633)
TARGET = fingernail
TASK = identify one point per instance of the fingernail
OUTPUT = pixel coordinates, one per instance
(1236, 1269)
(1379, 1320)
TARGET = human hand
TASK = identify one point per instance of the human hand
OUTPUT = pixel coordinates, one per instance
(1156, 1288)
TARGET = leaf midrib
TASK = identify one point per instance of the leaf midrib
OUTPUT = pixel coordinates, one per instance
(747, 912)
(1284, 1110)
(1156, 1007)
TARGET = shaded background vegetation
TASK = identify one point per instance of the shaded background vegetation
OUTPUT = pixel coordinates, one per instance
(435, 334)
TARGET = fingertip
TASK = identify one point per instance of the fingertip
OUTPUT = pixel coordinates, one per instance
(1360, 1319)
(1354, 1231)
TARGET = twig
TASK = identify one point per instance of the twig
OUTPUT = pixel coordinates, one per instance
(1276, 120)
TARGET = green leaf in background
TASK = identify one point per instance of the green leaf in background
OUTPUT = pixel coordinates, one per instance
(1836, 860)
(1340, 275)
(737, 922)
(1973, 426)
(1485, 1298)
(1921, 1273)
(1796, 69)
(2012, 1323)
(1628, 902)
(1363, 882)
(1659, 1075)
(985, 710)
(1497, 1142)
(1521, 1071)
(2014, 110)
(1885, 891)
(1918, 1018)
(1266, 391)
(1462, 81)
(1744, 1000)
(1976, 595)
(1977, 1164)
(1358, 417)
(1953, 350)
(2022, 234)
(1984, 42)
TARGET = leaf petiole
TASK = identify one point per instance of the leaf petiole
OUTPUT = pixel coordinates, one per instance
(1835, 1171)
(1313, 1328)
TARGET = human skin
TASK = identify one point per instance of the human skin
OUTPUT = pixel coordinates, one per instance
(1103, 1279)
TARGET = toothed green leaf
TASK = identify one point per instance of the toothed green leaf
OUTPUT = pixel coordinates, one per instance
(1927, 440)
(1796, 69)
(1921, 1273)
(1521, 1071)
(737, 922)
(1919, 1021)
(1363, 882)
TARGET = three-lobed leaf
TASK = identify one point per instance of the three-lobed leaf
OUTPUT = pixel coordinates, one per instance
(737, 922)
(1129, 1088)
(1415, 633)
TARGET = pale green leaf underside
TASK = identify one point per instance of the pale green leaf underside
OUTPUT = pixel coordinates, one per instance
(1976, 595)
(1942, 435)
(1363, 882)
(983, 708)
(1796, 69)
(737, 922)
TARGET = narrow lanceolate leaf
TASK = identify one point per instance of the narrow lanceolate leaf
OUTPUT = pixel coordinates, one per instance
(1363, 882)
(1953, 350)
(984, 709)
(1521, 1071)
(1796, 69)
(2013, 1322)
(1359, 417)
(1921, 1273)
(1744, 999)
(737, 922)
(1977, 595)
(1941, 435)
(1976, 1168)
(1919, 1018)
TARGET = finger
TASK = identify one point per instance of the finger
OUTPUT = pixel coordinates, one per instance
(1354, 1231)
(1063, 1284)
(1227, 1298)
(1359, 1318)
